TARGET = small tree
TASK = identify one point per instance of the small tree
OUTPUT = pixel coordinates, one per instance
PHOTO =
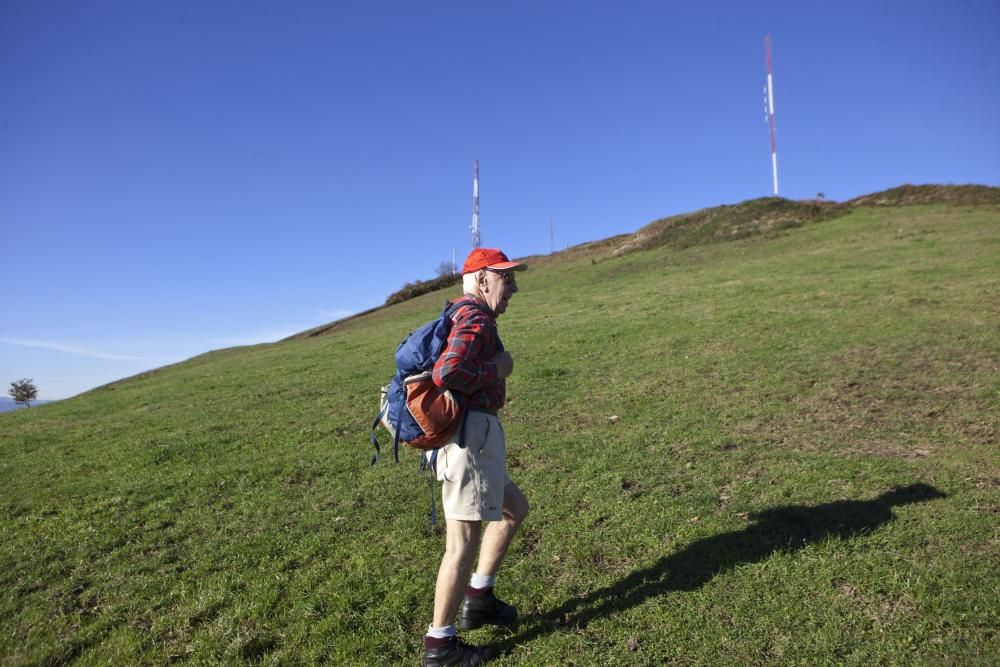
(23, 391)
(820, 195)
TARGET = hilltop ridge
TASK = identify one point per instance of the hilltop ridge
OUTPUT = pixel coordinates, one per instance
(726, 222)
(771, 214)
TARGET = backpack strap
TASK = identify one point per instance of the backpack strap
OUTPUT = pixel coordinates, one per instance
(395, 440)
(378, 450)
(428, 465)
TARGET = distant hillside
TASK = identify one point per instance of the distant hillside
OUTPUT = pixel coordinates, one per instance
(8, 404)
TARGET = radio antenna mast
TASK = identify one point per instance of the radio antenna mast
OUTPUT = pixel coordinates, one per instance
(475, 206)
(769, 111)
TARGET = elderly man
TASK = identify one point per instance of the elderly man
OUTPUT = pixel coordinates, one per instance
(475, 487)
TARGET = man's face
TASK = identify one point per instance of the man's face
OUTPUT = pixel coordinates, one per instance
(497, 288)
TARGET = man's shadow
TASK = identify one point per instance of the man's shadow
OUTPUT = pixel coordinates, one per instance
(779, 529)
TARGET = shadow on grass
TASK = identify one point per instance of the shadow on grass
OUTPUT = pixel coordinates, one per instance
(776, 530)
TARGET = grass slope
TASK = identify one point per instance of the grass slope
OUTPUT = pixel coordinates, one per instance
(776, 450)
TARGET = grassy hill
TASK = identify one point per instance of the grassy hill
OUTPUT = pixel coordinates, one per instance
(780, 448)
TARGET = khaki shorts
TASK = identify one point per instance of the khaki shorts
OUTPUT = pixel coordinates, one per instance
(473, 478)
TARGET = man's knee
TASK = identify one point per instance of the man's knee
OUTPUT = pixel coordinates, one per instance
(462, 539)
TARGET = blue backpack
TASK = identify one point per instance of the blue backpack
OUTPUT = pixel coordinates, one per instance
(413, 409)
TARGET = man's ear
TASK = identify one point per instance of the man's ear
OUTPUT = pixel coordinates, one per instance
(481, 278)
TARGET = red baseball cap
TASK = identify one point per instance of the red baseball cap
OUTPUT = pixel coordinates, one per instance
(490, 258)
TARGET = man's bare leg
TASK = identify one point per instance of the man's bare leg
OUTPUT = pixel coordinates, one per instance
(461, 542)
(499, 534)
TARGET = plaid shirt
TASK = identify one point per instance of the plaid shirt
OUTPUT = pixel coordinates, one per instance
(465, 364)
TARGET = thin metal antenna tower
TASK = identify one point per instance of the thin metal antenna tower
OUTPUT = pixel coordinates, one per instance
(769, 111)
(475, 207)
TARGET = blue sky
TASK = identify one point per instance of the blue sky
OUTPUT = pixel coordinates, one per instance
(177, 177)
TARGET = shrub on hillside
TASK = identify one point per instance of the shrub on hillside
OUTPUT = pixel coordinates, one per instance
(415, 289)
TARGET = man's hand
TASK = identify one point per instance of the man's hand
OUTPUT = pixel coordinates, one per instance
(505, 364)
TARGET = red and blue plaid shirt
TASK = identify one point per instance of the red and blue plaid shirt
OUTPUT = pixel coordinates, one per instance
(465, 365)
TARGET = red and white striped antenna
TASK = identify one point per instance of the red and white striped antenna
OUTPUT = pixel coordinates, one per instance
(769, 111)
(475, 206)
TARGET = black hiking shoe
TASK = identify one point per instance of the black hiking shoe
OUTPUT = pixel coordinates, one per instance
(485, 609)
(454, 651)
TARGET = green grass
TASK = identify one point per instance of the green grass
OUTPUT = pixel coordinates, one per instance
(768, 391)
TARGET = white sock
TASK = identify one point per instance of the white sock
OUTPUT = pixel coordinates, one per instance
(479, 581)
(441, 633)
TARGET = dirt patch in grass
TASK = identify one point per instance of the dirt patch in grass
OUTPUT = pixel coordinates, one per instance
(529, 541)
(900, 405)
(879, 608)
(632, 489)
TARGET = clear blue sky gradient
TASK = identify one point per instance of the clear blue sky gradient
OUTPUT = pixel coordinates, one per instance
(182, 176)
